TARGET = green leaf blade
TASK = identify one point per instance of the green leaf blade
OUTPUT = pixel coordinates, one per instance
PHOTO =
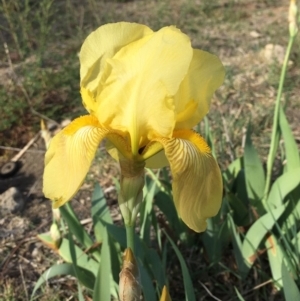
(102, 287)
(188, 285)
(290, 289)
(254, 174)
(291, 148)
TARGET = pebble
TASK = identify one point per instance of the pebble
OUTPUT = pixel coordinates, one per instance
(36, 254)
(273, 52)
(11, 201)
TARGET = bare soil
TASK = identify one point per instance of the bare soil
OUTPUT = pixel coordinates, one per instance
(23, 257)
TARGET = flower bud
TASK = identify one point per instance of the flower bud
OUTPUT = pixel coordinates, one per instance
(165, 295)
(293, 27)
(129, 285)
(55, 235)
(45, 133)
(56, 214)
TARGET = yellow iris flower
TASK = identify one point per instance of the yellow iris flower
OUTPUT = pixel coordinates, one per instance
(144, 92)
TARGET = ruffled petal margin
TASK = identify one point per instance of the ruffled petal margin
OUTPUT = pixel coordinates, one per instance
(104, 43)
(197, 182)
(69, 157)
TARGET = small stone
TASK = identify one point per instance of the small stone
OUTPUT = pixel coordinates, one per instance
(37, 254)
(273, 52)
(254, 34)
(14, 226)
(11, 201)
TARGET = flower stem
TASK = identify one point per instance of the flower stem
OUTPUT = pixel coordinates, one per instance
(130, 237)
(275, 129)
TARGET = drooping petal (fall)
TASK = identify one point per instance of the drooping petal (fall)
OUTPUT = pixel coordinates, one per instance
(69, 157)
(143, 77)
(104, 43)
(206, 73)
(197, 181)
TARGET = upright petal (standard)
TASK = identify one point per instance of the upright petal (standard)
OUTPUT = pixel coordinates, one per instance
(206, 73)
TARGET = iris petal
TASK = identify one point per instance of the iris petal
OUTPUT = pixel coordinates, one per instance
(117, 145)
(197, 181)
(69, 157)
(142, 78)
(205, 75)
(154, 155)
(104, 43)
(88, 100)
(159, 160)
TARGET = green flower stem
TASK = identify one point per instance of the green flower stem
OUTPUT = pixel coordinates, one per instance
(275, 131)
(130, 237)
(131, 195)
